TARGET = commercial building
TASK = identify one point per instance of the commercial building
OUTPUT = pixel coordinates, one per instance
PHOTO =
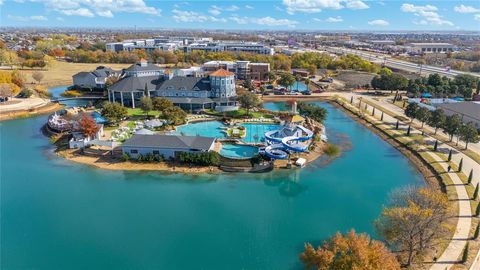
(215, 91)
(422, 48)
(188, 45)
(168, 146)
(469, 111)
(243, 69)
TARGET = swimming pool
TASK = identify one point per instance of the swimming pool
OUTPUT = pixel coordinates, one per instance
(238, 151)
(256, 132)
(99, 119)
(206, 129)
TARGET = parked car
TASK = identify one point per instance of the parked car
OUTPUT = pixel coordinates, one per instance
(307, 93)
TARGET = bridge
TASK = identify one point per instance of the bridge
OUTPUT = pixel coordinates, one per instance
(399, 64)
(58, 99)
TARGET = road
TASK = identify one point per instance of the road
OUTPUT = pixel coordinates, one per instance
(398, 64)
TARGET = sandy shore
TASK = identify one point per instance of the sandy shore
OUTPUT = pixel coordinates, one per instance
(48, 108)
(102, 159)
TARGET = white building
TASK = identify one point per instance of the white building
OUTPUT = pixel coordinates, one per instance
(167, 146)
(422, 48)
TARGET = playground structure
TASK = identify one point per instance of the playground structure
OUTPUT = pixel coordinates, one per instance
(290, 138)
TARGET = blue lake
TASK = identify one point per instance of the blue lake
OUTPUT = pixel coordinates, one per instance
(61, 215)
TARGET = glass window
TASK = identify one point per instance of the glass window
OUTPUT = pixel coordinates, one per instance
(134, 151)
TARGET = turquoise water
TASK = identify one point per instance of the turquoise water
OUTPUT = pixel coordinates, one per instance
(238, 151)
(276, 106)
(256, 132)
(61, 215)
(298, 86)
(206, 128)
(57, 91)
(99, 119)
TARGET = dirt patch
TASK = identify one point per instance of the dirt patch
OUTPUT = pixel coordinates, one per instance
(352, 79)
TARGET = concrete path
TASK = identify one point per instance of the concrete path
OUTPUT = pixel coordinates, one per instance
(24, 104)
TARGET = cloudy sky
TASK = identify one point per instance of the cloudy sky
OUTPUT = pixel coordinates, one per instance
(270, 14)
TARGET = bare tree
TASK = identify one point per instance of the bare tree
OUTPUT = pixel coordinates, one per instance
(37, 76)
(5, 90)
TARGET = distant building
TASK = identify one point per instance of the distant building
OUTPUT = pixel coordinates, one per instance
(188, 44)
(216, 91)
(423, 48)
(469, 111)
(243, 69)
(94, 79)
(169, 146)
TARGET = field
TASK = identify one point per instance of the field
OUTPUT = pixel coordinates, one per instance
(61, 72)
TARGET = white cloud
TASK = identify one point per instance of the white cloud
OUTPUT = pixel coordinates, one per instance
(356, 4)
(232, 8)
(192, 16)
(1, 2)
(314, 6)
(107, 14)
(334, 19)
(267, 21)
(27, 18)
(477, 17)
(104, 8)
(214, 10)
(83, 12)
(466, 9)
(248, 7)
(379, 23)
(427, 13)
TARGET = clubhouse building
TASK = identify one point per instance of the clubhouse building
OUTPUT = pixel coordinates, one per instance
(215, 91)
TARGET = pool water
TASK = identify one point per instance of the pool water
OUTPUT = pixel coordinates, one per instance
(206, 129)
(298, 86)
(99, 119)
(238, 151)
(256, 132)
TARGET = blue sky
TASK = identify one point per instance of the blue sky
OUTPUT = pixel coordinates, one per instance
(274, 15)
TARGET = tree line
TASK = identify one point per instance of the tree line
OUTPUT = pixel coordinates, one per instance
(451, 125)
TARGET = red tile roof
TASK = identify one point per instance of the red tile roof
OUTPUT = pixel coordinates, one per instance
(222, 73)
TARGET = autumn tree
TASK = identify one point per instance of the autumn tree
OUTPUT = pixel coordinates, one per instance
(88, 126)
(37, 76)
(174, 115)
(161, 103)
(350, 251)
(414, 222)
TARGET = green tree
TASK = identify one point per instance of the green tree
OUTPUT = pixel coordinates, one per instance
(422, 115)
(349, 252)
(468, 133)
(114, 112)
(316, 113)
(414, 222)
(286, 79)
(249, 101)
(146, 105)
(452, 125)
(411, 110)
(437, 119)
(161, 103)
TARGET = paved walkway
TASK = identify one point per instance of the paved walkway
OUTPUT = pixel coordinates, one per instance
(24, 104)
(454, 250)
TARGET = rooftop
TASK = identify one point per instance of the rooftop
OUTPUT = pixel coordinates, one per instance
(222, 73)
(170, 142)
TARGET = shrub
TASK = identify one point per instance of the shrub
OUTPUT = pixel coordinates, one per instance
(332, 150)
(71, 93)
(202, 158)
(125, 157)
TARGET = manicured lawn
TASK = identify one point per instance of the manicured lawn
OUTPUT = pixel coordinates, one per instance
(137, 112)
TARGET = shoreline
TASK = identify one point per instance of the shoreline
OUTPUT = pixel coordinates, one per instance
(47, 108)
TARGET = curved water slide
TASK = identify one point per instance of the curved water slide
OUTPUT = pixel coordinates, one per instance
(279, 147)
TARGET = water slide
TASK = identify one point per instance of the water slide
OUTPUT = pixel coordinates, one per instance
(280, 146)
